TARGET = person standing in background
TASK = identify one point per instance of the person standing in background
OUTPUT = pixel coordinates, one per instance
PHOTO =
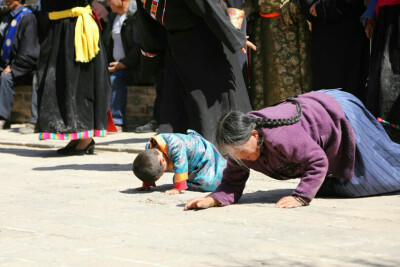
(382, 24)
(74, 84)
(19, 54)
(281, 67)
(340, 49)
(122, 42)
(202, 77)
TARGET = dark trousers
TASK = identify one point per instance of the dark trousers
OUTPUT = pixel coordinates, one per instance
(34, 112)
(7, 84)
(6, 95)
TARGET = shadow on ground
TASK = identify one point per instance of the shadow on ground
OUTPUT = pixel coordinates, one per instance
(35, 153)
(125, 141)
(88, 167)
(260, 196)
(160, 188)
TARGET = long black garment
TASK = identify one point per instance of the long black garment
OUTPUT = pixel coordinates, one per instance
(73, 97)
(202, 78)
(340, 48)
(384, 79)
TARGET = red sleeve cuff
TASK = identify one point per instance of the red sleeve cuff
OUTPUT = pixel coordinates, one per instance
(148, 185)
(182, 185)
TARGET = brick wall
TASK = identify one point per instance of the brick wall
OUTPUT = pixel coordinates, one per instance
(140, 102)
(139, 108)
(22, 103)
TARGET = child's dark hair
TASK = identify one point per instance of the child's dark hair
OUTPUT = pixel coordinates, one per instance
(147, 166)
(234, 129)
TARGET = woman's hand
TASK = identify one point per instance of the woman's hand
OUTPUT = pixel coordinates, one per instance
(201, 203)
(6, 70)
(248, 44)
(290, 202)
(114, 66)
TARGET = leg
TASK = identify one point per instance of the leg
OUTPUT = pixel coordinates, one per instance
(6, 96)
(118, 96)
(34, 112)
(173, 114)
(377, 163)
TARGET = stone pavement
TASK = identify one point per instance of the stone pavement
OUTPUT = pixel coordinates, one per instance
(82, 211)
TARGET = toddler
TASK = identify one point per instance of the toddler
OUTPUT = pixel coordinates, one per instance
(197, 164)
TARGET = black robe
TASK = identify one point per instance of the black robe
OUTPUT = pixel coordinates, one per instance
(73, 97)
(243, 60)
(340, 48)
(387, 33)
(202, 77)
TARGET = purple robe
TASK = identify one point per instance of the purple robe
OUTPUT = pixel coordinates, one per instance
(321, 144)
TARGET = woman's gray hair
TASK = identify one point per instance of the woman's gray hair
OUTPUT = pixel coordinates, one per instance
(234, 130)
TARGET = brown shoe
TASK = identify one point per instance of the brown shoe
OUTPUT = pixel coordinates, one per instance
(4, 125)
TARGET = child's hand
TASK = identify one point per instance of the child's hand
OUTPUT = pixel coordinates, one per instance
(143, 188)
(201, 203)
(173, 191)
(289, 202)
(249, 45)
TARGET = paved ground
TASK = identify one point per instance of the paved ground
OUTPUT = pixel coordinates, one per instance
(82, 211)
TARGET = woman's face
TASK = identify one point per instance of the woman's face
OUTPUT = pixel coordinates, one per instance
(250, 150)
(115, 5)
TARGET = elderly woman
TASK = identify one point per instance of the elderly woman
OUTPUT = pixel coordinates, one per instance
(326, 138)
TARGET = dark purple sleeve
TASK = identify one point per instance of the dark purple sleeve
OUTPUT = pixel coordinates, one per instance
(303, 150)
(232, 185)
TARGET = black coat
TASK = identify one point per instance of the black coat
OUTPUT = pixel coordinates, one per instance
(202, 78)
(25, 49)
(340, 48)
(131, 39)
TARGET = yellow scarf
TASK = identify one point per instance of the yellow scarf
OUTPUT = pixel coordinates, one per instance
(86, 32)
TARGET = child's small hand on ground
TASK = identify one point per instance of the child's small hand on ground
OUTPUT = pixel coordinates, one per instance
(201, 203)
(143, 188)
(288, 202)
(172, 191)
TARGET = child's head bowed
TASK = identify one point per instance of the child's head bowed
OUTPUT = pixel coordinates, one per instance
(148, 166)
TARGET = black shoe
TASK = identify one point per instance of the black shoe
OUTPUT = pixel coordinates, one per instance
(4, 124)
(71, 145)
(148, 127)
(87, 150)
